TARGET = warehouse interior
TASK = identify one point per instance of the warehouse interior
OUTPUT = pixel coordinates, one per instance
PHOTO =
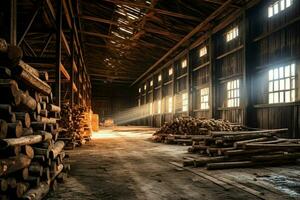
(149, 99)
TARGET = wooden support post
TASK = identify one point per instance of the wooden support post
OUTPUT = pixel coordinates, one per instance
(73, 63)
(13, 22)
(212, 93)
(190, 90)
(58, 52)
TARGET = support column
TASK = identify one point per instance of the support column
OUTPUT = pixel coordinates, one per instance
(13, 22)
(72, 62)
(58, 52)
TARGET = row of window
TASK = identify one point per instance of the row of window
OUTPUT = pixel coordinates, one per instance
(281, 89)
(278, 6)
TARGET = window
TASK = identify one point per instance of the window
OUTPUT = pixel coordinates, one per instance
(140, 90)
(185, 102)
(170, 104)
(159, 78)
(233, 93)
(282, 84)
(159, 106)
(233, 33)
(170, 71)
(204, 94)
(150, 108)
(278, 6)
(145, 87)
(203, 51)
(151, 83)
(184, 64)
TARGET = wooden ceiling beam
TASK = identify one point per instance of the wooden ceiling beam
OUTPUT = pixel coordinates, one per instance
(96, 34)
(198, 28)
(159, 11)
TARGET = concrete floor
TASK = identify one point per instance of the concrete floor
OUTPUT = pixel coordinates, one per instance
(124, 164)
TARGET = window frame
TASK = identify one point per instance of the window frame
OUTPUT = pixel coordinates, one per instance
(233, 93)
(204, 93)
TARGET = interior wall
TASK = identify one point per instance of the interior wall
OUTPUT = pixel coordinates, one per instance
(110, 99)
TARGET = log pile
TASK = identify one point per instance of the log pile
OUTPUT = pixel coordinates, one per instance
(184, 130)
(31, 158)
(223, 150)
(76, 124)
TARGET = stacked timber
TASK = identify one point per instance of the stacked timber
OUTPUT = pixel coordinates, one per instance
(76, 126)
(222, 150)
(67, 134)
(31, 160)
(184, 130)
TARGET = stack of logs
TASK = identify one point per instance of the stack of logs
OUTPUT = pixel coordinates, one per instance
(76, 125)
(222, 150)
(184, 130)
(31, 160)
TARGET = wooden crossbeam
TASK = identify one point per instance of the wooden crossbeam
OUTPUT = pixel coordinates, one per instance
(64, 72)
(159, 11)
(74, 87)
(96, 34)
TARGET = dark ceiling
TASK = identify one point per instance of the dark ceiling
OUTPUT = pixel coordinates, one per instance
(122, 39)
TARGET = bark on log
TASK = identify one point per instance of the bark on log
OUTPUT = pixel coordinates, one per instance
(14, 130)
(24, 117)
(36, 169)
(9, 151)
(26, 140)
(3, 129)
(282, 157)
(53, 108)
(33, 181)
(27, 131)
(32, 81)
(13, 164)
(44, 113)
(38, 126)
(37, 193)
(28, 151)
(41, 151)
(28, 68)
(58, 147)
(27, 102)
(44, 75)
(229, 165)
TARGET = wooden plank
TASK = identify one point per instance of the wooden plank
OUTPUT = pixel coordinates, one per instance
(74, 87)
(64, 72)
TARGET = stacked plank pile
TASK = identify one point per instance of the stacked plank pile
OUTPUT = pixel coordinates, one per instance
(31, 161)
(76, 126)
(223, 150)
(184, 130)
(67, 134)
(82, 124)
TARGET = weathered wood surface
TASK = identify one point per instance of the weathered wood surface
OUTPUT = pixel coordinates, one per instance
(13, 164)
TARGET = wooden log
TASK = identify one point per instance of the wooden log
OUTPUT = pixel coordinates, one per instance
(24, 117)
(54, 185)
(6, 114)
(44, 99)
(38, 108)
(240, 144)
(281, 157)
(38, 126)
(22, 188)
(229, 165)
(205, 160)
(39, 158)
(37, 193)
(32, 80)
(27, 102)
(58, 147)
(14, 130)
(48, 120)
(36, 169)
(3, 129)
(53, 108)
(3, 46)
(3, 185)
(44, 75)
(28, 68)
(28, 151)
(42, 151)
(13, 164)
(240, 152)
(258, 132)
(62, 177)
(25, 140)
(283, 146)
(11, 57)
(46, 174)
(44, 113)
(27, 131)
(12, 182)
(11, 90)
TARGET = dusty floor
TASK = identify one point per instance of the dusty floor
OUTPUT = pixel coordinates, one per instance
(124, 164)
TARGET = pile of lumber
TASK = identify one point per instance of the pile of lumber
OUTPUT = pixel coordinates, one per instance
(82, 120)
(31, 158)
(76, 126)
(184, 130)
(222, 150)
